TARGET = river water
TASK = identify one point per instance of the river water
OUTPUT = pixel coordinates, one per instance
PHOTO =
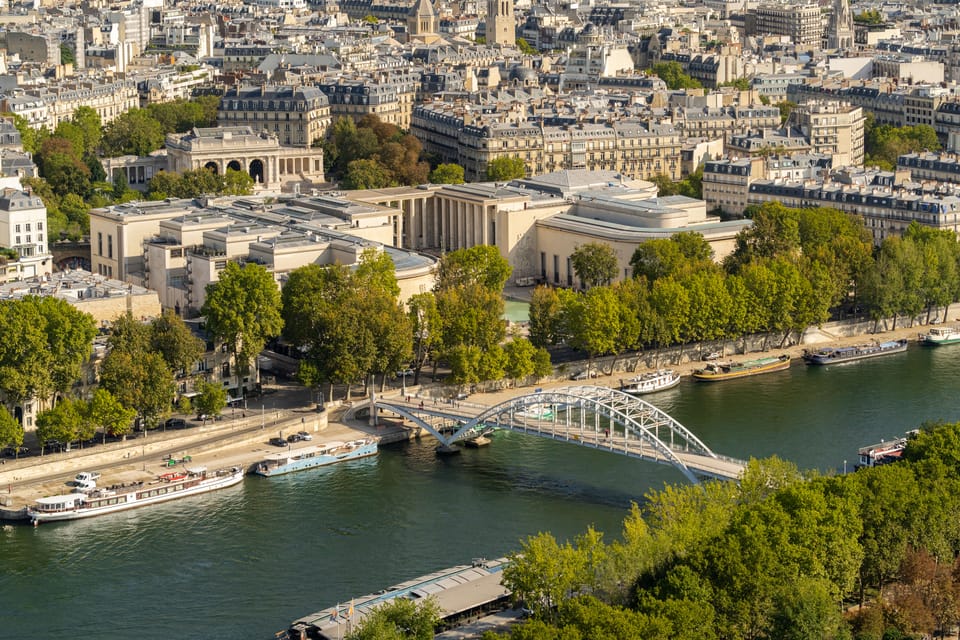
(244, 562)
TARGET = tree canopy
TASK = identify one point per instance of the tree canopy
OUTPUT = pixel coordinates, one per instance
(672, 73)
(504, 169)
(242, 311)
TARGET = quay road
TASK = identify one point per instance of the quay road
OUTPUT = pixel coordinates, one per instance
(630, 426)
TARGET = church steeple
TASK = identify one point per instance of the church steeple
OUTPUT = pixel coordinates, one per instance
(422, 19)
(501, 26)
(840, 31)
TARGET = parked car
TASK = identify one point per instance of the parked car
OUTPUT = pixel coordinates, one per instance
(13, 452)
(279, 442)
(713, 355)
(404, 373)
(175, 423)
(87, 476)
(305, 436)
(584, 374)
(294, 437)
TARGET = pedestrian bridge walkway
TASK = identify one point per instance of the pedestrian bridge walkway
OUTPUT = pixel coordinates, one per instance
(588, 416)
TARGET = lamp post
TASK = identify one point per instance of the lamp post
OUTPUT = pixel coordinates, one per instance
(263, 417)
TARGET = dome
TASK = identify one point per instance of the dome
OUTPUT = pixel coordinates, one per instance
(525, 75)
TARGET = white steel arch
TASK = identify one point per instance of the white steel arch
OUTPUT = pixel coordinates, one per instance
(596, 417)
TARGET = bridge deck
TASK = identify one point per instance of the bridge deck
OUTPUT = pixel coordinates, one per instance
(617, 441)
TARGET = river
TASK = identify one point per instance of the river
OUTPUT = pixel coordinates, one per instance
(244, 562)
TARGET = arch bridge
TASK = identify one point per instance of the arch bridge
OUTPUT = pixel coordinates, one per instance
(589, 416)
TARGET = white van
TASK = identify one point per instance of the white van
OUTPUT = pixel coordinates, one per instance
(87, 476)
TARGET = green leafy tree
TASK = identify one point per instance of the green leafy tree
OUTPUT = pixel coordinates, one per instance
(542, 366)
(69, 339)
(88, 122)
(63, 422)
(504, 169)
(67, 56)
(672, 73)
(172, 339)
(427, 327)
(786, 108)
(11, 431)
(366, 174)
(242, 310)
(210, 399)
(400, 619)
(482, 265)
(741, 84)
(869, 16)
(105, 412)
(545, 320)
(595, 263)
(237, 183)
(519, 354)
(132, 132)
(139, 380)
(525, 47)
(447, 174)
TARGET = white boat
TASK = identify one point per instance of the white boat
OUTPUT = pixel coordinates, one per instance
(169, 486)
(938, 336)
(536, 412)
(652, 382)
(316, 456)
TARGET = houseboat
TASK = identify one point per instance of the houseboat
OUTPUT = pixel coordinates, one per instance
(716, 371)
(836, 355)
(939, 336)
(652, 382)
(316, 456)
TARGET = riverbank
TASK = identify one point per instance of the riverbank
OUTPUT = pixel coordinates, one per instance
(243, 441)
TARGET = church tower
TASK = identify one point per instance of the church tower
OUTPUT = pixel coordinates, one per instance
(840, 31)
(422, 20)
(501, 26)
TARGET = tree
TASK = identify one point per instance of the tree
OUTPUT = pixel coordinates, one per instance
(62, 422)
(172, 339)
(672, 73)
(132, 132)
(400, 618)
(237, 183)
(366, 174)
(520, 355)
(11, 431)
(525, 47)
(447, 174)
(544, 326)
(741, 84)
(427, 327)
(242, 310)
(482, 265)
(67, 56)
(139, 380)
(595, 263)
(88, 122)
(69, 339)
(107, 413)
(210, 400)
(504, 169)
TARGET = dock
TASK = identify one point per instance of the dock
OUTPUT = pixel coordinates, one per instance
(464, 593)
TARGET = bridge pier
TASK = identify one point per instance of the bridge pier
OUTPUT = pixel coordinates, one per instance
(447, 449)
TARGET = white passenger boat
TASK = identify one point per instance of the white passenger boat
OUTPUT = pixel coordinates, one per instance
(652, 382)
(316, 456)
(939, 336)
(169, 486)
(536, 412)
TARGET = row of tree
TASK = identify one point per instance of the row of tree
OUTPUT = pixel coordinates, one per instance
(137, 376)
(776, 556)
(792, 269)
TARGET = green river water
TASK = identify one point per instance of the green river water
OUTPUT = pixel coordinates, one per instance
(244, 562)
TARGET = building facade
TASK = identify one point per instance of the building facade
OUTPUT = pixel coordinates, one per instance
(297, 116)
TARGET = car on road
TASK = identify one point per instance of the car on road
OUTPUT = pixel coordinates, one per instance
(403, 373)
(279, 442)
(306, 437)
(584, 374)
(175, 423)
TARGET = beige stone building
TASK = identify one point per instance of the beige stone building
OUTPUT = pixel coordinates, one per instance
(834, 128)
(270, 164)
(802, 23)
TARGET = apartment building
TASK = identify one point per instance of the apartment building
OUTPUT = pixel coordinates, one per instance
(833, 128)
(724, 122)
(887, 210)
(297, 116)
(389, 96)
(23, 228)
(49, 106)
(942, 167)
(802, 23)
(637, 149)
(726, 183)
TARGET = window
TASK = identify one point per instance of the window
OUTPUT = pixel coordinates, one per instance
(39, 226)
(556, 269)
(17, 240)
(28, 229)
(569, 272)
(100, 244)
(109, 246)
(543, 265)
(17, 229)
